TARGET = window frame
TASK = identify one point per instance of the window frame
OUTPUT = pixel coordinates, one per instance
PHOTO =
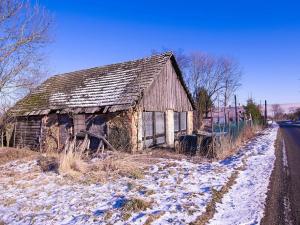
(180, 131)
(154, 136)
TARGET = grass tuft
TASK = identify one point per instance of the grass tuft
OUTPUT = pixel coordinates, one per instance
(72, 164)
(136, 205)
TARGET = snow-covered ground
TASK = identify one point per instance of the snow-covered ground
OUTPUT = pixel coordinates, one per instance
(176, 192)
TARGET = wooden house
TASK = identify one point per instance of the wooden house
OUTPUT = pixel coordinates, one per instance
(134, 104)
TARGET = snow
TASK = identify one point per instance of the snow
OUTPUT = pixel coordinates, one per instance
(178, 191)
(245, 202)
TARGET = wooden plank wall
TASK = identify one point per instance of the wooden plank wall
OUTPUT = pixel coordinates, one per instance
(96, 124)
(27, 132)
(166, 92)
(65, 123)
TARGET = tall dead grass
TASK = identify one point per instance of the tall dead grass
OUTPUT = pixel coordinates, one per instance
(71, 163)
(228, 146)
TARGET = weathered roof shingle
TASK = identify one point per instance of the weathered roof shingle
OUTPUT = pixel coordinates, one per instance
(115, 85)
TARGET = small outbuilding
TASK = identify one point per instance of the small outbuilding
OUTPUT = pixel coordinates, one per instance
(134, 105)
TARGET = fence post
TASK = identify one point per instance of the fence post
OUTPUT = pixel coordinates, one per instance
(2, 138)
(236, 113)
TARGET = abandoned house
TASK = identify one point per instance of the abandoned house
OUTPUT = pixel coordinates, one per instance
(134, 105)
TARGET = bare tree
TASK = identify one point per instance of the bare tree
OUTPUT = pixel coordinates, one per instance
(277, 111)
(216, 75)
(24, 31)
(231, 81)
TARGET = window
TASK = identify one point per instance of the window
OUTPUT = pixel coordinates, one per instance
(183, 118)
(160, 127)
(176, 121)
(153, 128)
(180, 122)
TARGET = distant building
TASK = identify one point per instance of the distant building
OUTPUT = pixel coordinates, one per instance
(229, 112)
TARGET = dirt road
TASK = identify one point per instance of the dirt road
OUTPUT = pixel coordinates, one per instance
(283, 202)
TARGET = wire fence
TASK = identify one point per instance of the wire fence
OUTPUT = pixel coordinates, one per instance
(232, 128)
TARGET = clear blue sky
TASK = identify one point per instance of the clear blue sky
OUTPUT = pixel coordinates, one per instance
(264, 36)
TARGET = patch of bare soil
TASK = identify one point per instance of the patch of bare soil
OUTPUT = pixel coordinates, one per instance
(10, 154)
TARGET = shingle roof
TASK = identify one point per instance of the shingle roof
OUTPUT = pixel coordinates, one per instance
(115, 86)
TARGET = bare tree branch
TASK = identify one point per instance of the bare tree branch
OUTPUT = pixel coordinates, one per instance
(24, 31)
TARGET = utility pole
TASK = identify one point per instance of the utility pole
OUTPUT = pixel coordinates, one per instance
(218, 109)
(266, 115)
(236, 111)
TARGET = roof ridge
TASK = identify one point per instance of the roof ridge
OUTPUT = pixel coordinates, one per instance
(167, 53)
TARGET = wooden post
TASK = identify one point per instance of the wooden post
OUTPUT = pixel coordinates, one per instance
(236, 113)
(212, 131)
(266, 115)
(2, 138)
(218, 109)
(154, 128)
(15, 130)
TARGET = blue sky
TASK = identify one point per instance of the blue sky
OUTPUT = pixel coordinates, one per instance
(264, 36)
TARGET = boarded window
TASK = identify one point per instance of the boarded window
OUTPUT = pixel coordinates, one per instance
(159, 123)
(176, 121)
(183, 118)
(147, 124)
(79, 123)
(159, 128)
(180, 123)
(153, 128)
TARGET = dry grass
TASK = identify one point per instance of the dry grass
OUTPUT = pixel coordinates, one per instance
(229, 147)
(71, 163)
(226, 148)
(10, 154)
(151, 218)
(9, 201)
(116, 166)
(136, 205)
(247, 133)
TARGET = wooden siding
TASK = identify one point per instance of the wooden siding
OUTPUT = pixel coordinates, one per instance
(65, 128)
(27, 132)
(166, 92)
(96, 124)
(79, 123)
